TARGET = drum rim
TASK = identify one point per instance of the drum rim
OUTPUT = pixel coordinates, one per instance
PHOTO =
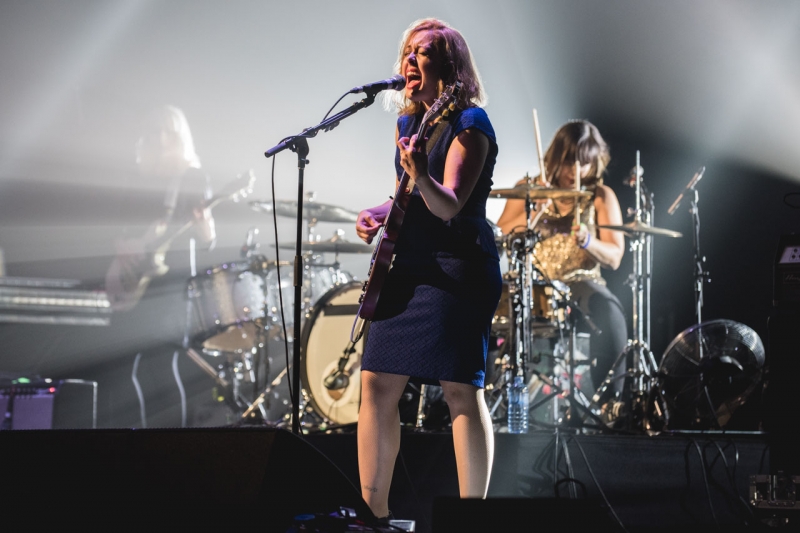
(310, 318)
(257, 265)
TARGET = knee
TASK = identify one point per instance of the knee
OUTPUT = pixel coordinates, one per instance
(460, 397)
(381, 390)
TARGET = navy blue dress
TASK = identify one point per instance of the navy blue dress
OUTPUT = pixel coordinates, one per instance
(434, 313)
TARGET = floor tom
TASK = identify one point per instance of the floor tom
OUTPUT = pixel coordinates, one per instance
(228, 306)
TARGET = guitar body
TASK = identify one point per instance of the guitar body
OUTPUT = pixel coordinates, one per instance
(381, 260)
(136, 264)
(382, 257)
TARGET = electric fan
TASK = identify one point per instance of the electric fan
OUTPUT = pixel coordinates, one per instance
(706, 373)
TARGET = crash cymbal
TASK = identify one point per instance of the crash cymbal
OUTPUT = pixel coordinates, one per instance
(640, 227)
(332, 246)
(311, 210)
(520, 192)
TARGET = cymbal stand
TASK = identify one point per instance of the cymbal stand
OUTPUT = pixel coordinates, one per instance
(642, 364)
(521, 271)
(517, 335)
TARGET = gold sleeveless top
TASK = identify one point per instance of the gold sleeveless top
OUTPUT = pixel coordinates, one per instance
(556, 253)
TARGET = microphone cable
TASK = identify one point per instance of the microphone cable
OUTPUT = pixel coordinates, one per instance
(280, 285)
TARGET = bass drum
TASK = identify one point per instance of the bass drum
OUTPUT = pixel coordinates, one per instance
(326, 336)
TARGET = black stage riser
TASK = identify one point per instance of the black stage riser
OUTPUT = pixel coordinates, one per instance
(240, 477)
(651, 482)
(200, 478)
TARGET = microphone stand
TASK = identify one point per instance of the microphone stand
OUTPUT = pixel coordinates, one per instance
(299, 144)
(700, 273)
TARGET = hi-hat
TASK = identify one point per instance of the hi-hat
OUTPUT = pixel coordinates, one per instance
(640, 227)
(522, 191)
(335, 246)
(311, 210)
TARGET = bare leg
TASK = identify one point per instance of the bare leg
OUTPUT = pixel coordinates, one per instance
(473, 437)
(378, 436)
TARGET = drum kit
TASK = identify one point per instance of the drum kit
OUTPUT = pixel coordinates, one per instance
(537, 323)
(241, 314)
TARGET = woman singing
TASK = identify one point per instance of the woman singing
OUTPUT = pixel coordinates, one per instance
(435, 310)
(575, 254)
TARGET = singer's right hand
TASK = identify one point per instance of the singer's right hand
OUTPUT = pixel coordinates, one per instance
(369, 223)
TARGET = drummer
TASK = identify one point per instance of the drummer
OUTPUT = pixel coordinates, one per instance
(575, 254)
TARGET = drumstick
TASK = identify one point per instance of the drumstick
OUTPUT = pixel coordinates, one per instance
(542, 172)
(539, 148)
(577, 221)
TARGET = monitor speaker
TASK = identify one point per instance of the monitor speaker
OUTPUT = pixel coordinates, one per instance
(49, 404)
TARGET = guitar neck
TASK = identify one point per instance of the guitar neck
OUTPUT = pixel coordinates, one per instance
(406, 185)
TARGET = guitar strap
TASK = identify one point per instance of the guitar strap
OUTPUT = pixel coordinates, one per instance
(434, 133)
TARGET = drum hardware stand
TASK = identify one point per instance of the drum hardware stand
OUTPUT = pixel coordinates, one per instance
(576, 400)
(423, 393)
(643, 367)
(262, 397)
(574, 315)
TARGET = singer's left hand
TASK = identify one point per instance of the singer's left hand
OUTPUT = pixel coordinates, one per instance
(413, 158)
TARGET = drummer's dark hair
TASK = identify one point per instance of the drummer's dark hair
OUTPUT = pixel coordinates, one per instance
(457, 65)
(581, 140)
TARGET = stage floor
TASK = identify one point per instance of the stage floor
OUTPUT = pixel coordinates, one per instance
(672, 482)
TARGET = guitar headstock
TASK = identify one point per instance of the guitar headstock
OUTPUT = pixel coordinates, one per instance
(237, 189)
(444, 104)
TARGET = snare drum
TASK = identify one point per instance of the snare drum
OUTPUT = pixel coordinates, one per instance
(326, 335)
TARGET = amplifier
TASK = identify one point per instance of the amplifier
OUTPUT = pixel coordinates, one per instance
(49, 404)
(786, 283)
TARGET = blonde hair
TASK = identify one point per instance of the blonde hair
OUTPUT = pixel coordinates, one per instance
(169, 119)
(581, 140)
(457, 64)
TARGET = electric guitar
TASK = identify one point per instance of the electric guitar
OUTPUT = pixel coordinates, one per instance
(141, 260)
(382, 256)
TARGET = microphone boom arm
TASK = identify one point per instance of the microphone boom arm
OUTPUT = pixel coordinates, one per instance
(689, 187)
(326, 125)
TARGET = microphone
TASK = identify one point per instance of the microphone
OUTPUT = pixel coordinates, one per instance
(630, 181)
(336, 381)
(395, 83)
(690, 186)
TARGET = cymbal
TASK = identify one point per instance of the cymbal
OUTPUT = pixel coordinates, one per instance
(640, 227)
(339, 246)
(311, 210)
(520, 192)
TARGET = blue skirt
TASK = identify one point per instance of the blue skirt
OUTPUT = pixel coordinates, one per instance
(434, 317)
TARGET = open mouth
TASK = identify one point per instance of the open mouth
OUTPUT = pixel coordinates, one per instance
(413, 80)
